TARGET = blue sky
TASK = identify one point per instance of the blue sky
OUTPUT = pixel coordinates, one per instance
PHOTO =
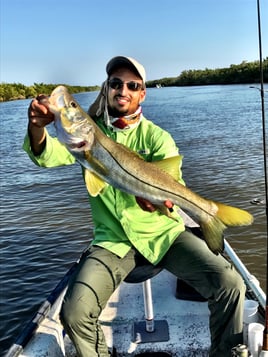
(70, 41)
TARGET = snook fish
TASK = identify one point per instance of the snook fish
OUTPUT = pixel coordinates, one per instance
(108, 162)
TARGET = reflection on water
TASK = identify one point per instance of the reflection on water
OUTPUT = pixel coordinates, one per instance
(45, 217)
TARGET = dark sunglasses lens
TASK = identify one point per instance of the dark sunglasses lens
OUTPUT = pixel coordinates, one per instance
(134, 86)
(116, 84)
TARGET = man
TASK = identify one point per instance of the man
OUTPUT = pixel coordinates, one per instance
(129, 231)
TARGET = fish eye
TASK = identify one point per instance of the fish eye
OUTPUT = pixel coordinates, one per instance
(73, 104)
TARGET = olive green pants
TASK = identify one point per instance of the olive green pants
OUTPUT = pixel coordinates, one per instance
(100, 272)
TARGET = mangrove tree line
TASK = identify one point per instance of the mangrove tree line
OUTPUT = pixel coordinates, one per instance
(13, 91)
(243, 73)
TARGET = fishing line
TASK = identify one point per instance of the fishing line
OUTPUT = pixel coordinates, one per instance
(265, 333)
(263, 114)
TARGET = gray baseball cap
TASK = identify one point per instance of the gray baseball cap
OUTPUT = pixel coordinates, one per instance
(119, 61)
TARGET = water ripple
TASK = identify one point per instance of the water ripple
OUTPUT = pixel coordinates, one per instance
(45, 219)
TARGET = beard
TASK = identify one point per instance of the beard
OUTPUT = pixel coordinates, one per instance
(116, 111)
(113, 112)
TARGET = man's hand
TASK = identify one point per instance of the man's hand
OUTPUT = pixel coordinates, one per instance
(148, 206)
(38, 113)
(145, 204)
(39, 116)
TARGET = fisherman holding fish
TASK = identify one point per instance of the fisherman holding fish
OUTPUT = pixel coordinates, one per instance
(132, 234)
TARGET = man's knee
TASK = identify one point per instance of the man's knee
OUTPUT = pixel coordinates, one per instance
(78, 309)
(234, 281)
(230, 285)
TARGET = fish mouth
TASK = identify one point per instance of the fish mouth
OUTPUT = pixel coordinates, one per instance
(79, 145)
(57, 99)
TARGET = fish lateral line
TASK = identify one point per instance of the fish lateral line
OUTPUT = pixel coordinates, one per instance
(154, 186)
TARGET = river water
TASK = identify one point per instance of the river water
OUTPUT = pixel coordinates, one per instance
(45, 218)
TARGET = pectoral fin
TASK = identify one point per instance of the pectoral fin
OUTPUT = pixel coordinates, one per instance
(95, 164)
(93, 183)
(164, 210)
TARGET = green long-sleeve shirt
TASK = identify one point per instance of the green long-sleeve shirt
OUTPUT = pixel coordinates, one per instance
(119, 222)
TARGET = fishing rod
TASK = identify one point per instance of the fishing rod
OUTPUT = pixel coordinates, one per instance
(17, 348)
(264, 351)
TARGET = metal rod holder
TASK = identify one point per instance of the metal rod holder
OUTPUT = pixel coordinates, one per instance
(149, 330)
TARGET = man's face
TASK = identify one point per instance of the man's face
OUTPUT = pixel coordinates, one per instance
(125, 98)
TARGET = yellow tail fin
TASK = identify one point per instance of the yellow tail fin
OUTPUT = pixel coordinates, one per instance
(226, 216)
(213, 234)
(232, 216)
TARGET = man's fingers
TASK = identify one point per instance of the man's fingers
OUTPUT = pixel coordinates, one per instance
(148, 206)
(168, 204)
(145, 204)
(38, 112)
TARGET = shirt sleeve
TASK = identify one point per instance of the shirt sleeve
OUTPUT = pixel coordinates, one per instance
(54, 154)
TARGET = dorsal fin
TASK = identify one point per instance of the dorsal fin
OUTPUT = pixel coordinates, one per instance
(171, 165)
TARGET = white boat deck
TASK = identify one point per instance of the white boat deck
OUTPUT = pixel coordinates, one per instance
(187, 321)
(187, 332)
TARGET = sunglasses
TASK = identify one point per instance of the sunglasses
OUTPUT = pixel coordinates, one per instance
(116, 83)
